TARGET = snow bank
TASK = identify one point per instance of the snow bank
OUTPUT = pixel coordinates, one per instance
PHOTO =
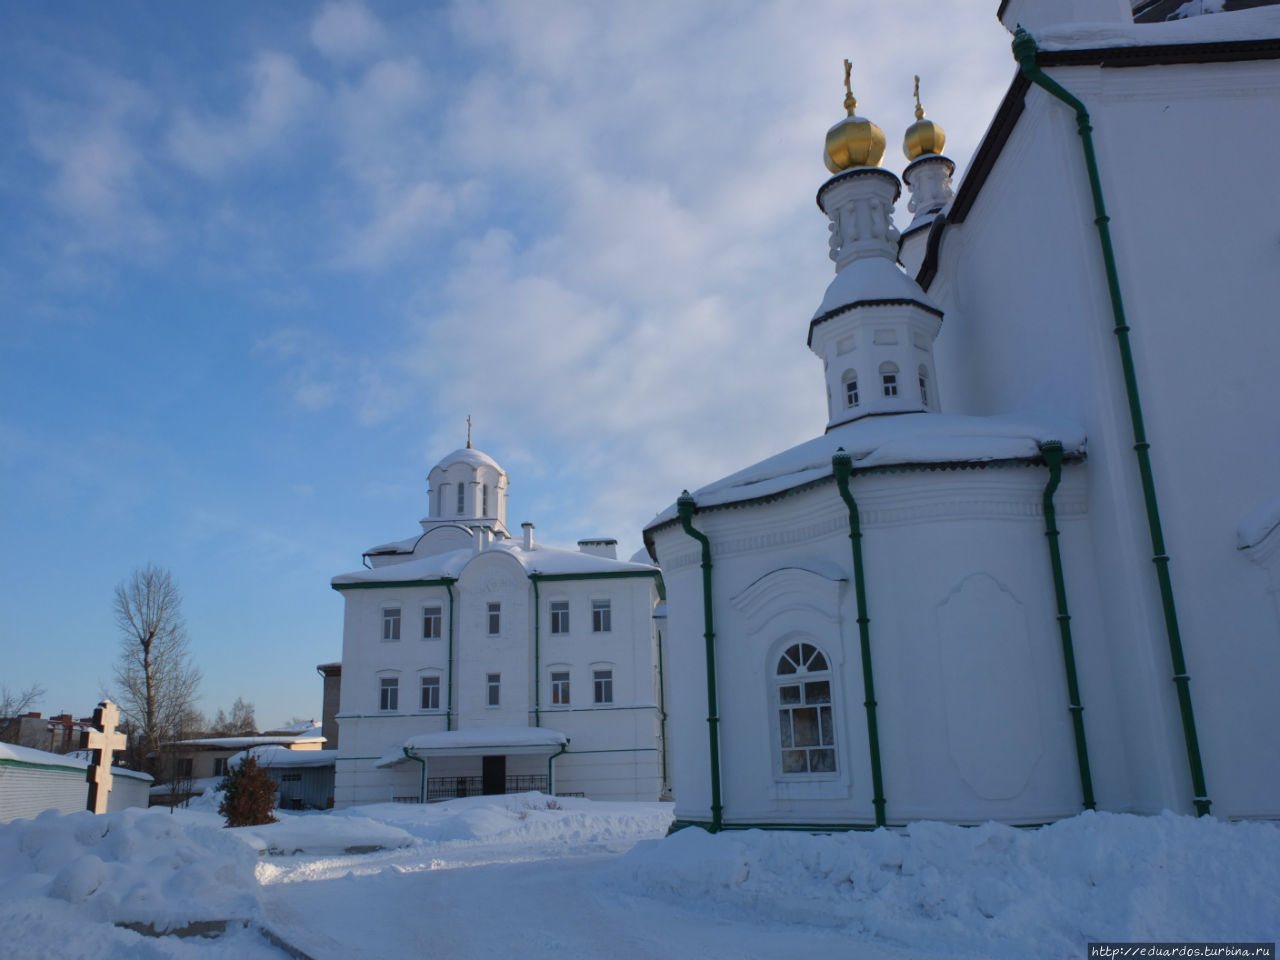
(1257, 24)
(138, 865)
(319, 835)
(993, 891)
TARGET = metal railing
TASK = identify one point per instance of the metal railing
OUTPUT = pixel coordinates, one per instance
(447, 788)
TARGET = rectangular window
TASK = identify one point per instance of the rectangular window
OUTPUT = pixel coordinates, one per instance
(462, 493)
(495, 619)
(559, 616)
(389, 688)
(294, 777)
(601, 616)
(494, 682)
(430, 693)
(219, 766)
(390, 623)
(851, 393)
(603, 685)
(560, 689)
(430, 623)
(890, 384)
(484, 499)
(184, 766)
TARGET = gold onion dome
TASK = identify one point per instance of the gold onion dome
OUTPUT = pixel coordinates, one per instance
(923, 136)
(854, 141)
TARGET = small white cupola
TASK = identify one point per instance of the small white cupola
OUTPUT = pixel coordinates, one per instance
(875, 327)
(928, 175)
(468, 487)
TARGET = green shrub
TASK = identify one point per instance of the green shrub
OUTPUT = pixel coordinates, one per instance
(250, 795)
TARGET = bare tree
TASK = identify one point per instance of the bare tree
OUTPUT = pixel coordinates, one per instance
(14, 703)
(240, 724)
(155, 679)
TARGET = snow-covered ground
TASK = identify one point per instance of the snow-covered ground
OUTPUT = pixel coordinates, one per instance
(530, 877)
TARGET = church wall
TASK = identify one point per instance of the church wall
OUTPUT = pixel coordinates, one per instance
(493, 579)
(969, 676)
(1193, 268)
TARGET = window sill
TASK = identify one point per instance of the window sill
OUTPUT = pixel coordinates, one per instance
(832, 788)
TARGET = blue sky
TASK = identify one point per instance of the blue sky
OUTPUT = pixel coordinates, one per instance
(261, 260)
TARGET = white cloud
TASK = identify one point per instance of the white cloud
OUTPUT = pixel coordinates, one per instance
(344, 31)
(278, 99)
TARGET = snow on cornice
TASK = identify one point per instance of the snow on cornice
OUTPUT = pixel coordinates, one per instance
(1259, 23)
(888, 441)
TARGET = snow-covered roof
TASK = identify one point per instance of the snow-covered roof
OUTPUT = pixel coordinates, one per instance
(1256, 525)
(511, 739)
(240, 743)
(43, 758)
(871, 278)
(547, 561)
(277, 756)
(905, 439)
(308, 727)
(1260, 23)
(406, 545)
(468, 455)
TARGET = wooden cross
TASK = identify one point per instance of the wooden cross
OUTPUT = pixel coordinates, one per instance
(102, 741)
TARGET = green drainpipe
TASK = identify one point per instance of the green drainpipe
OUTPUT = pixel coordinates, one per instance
(684, 508)
(448, 716)
(422, 779)
(537, 656)
(1052, 452)
(1024, 50)
(841, 468)
(662, 717)
(551, 774)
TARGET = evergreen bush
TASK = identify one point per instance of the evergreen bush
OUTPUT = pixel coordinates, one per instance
(250, 795)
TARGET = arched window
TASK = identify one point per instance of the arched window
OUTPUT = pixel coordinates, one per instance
(923, 375)
(806, 722)
(889, 378)
(850, 381)
(484, 496)
(462, 492)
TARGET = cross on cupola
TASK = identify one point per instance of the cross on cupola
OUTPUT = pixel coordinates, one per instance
(101, 741)
(875, 327)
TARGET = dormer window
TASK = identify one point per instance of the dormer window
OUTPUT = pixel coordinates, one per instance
(889, 379)
(850, 380)
(924, 385)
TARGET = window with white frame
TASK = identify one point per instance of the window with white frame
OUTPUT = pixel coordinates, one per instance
(560, 688)
(389, 693)
(462, 494)
(559, 616)
(219, 766)
(431, 623)
(806, 722)
(889, 378)
(493, 685)
(850, 381)
(602, 681)
(601, 616)
(390, 623)
(430, 693)
(923, 376)
(495, 619)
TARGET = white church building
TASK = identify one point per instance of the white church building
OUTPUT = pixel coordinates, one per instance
(1032, 564)
(476, 663)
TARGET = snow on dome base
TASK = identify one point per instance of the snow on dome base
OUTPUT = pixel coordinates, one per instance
(469, 455)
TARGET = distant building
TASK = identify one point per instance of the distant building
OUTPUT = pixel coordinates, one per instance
(199, 764)
(332, 675)
(477, 663)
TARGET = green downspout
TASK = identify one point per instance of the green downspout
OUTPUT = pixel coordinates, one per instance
(662, 716)
(422, 780)
(537, 656)
(551, 774)
(684, 508)
(1024, 50)
(841, 468)
(448, 717)
(1052, 452)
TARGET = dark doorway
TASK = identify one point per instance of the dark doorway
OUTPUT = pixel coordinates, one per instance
(493, 775)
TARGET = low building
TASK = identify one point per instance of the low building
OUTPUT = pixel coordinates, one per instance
(304, 777)
(32, 781)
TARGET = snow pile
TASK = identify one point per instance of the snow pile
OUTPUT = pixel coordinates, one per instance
(315, 835)
(995, 891)
(138, 865)
(524, 818)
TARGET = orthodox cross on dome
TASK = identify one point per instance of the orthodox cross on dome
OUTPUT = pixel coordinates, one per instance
(919, 107)
(850, 103)
(101, 742)
(468, 431)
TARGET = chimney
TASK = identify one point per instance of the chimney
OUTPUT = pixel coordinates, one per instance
(600, 548)
(527, 527)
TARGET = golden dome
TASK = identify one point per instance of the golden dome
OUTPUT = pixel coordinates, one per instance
(923, 136)
(854, 141)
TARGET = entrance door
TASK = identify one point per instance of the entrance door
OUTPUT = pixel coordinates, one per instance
(493, 775)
